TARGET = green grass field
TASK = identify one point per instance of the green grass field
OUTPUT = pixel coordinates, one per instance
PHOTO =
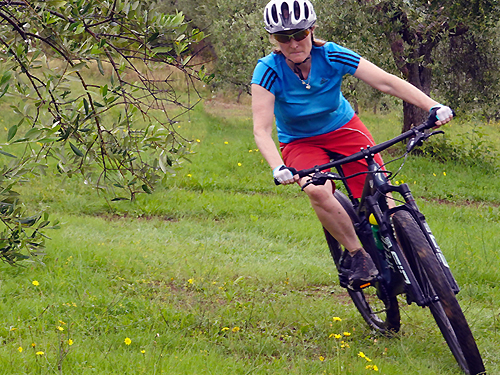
(221, 272)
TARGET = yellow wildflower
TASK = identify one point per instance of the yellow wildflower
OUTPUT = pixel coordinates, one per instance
(60, 328)
(70, 342)
(347, 334)
(127, 341)
(236, 329)
(20, 349)
(35, 283)
(40, 353)
(336, 319)
(321, 358)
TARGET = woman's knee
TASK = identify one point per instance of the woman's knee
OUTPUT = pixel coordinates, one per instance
(319, 193)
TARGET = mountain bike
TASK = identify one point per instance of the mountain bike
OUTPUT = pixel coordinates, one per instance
(402, 246)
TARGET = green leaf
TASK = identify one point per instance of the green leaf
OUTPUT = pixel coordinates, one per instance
(104, 90)
(76, 150)
(48, 140)
(7, 154)
(119, 199)
(86, 106)
(162, 50)
(146, 189)
(5, 77)
(99, 65)
(12, 132)
(33, 134)
(153, 36)
(4, 91)
(161, 160)
(77, 67)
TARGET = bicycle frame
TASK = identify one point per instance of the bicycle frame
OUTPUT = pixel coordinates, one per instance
(373, 201)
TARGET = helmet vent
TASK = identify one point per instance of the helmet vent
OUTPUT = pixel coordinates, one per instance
(285, 11)
(274, 14)
(296, 10)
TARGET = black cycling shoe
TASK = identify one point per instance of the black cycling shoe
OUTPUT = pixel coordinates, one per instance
(362, 270)
(345, 269)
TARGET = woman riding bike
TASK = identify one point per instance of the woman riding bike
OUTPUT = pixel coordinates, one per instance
(298, 85)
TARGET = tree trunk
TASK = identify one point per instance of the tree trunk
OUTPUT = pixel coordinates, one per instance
(420, 77)
(411, 49)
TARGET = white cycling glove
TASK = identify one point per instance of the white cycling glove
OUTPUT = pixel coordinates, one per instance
(442, 112)
(282, 174)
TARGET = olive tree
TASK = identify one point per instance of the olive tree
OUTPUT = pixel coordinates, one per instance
(115, 130)
(236, 36)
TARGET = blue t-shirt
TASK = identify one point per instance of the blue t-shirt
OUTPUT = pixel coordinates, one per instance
(302, 112)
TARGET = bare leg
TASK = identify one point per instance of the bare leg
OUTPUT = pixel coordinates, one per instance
(333, 216)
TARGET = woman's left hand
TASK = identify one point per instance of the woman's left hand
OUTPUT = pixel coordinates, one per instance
(444, 114)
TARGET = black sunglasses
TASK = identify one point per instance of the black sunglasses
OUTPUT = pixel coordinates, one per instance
(286, 38)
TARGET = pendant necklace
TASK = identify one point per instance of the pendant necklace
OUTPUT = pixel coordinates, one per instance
(308, 86)
(297, 71)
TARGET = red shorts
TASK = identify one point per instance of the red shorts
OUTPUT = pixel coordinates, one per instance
(309, 152)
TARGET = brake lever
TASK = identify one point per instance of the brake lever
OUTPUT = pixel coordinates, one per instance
(320, 178)
(434, 133)
(419, 139)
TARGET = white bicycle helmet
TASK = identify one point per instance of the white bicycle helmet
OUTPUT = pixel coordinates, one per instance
(283, 15)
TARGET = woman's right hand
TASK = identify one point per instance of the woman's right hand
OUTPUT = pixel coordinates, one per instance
(283, 175)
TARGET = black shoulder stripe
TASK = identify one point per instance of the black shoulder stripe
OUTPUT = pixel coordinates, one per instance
(352, 65)
(344, 58)
(268, 79)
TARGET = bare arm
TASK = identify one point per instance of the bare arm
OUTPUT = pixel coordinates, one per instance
(263, 123)
(390, 84)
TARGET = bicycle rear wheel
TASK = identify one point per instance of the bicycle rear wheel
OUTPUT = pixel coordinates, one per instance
(381, 313)
(444, 306)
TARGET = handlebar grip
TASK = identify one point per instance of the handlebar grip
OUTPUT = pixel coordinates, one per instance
(431, 120)
(293, 170)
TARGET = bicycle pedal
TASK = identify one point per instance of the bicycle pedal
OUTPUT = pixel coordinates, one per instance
(366, 285)
(360, 284)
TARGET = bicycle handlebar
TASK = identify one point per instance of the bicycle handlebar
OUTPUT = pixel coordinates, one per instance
(370, 151)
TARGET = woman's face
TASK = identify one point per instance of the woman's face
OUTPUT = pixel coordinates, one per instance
(297, 51)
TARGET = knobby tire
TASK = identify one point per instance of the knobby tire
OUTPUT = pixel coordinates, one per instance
(445, 308)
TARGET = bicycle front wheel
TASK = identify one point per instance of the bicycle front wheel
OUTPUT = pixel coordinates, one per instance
(444, 305)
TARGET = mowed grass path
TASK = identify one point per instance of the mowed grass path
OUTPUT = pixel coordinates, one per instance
(221, 272)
